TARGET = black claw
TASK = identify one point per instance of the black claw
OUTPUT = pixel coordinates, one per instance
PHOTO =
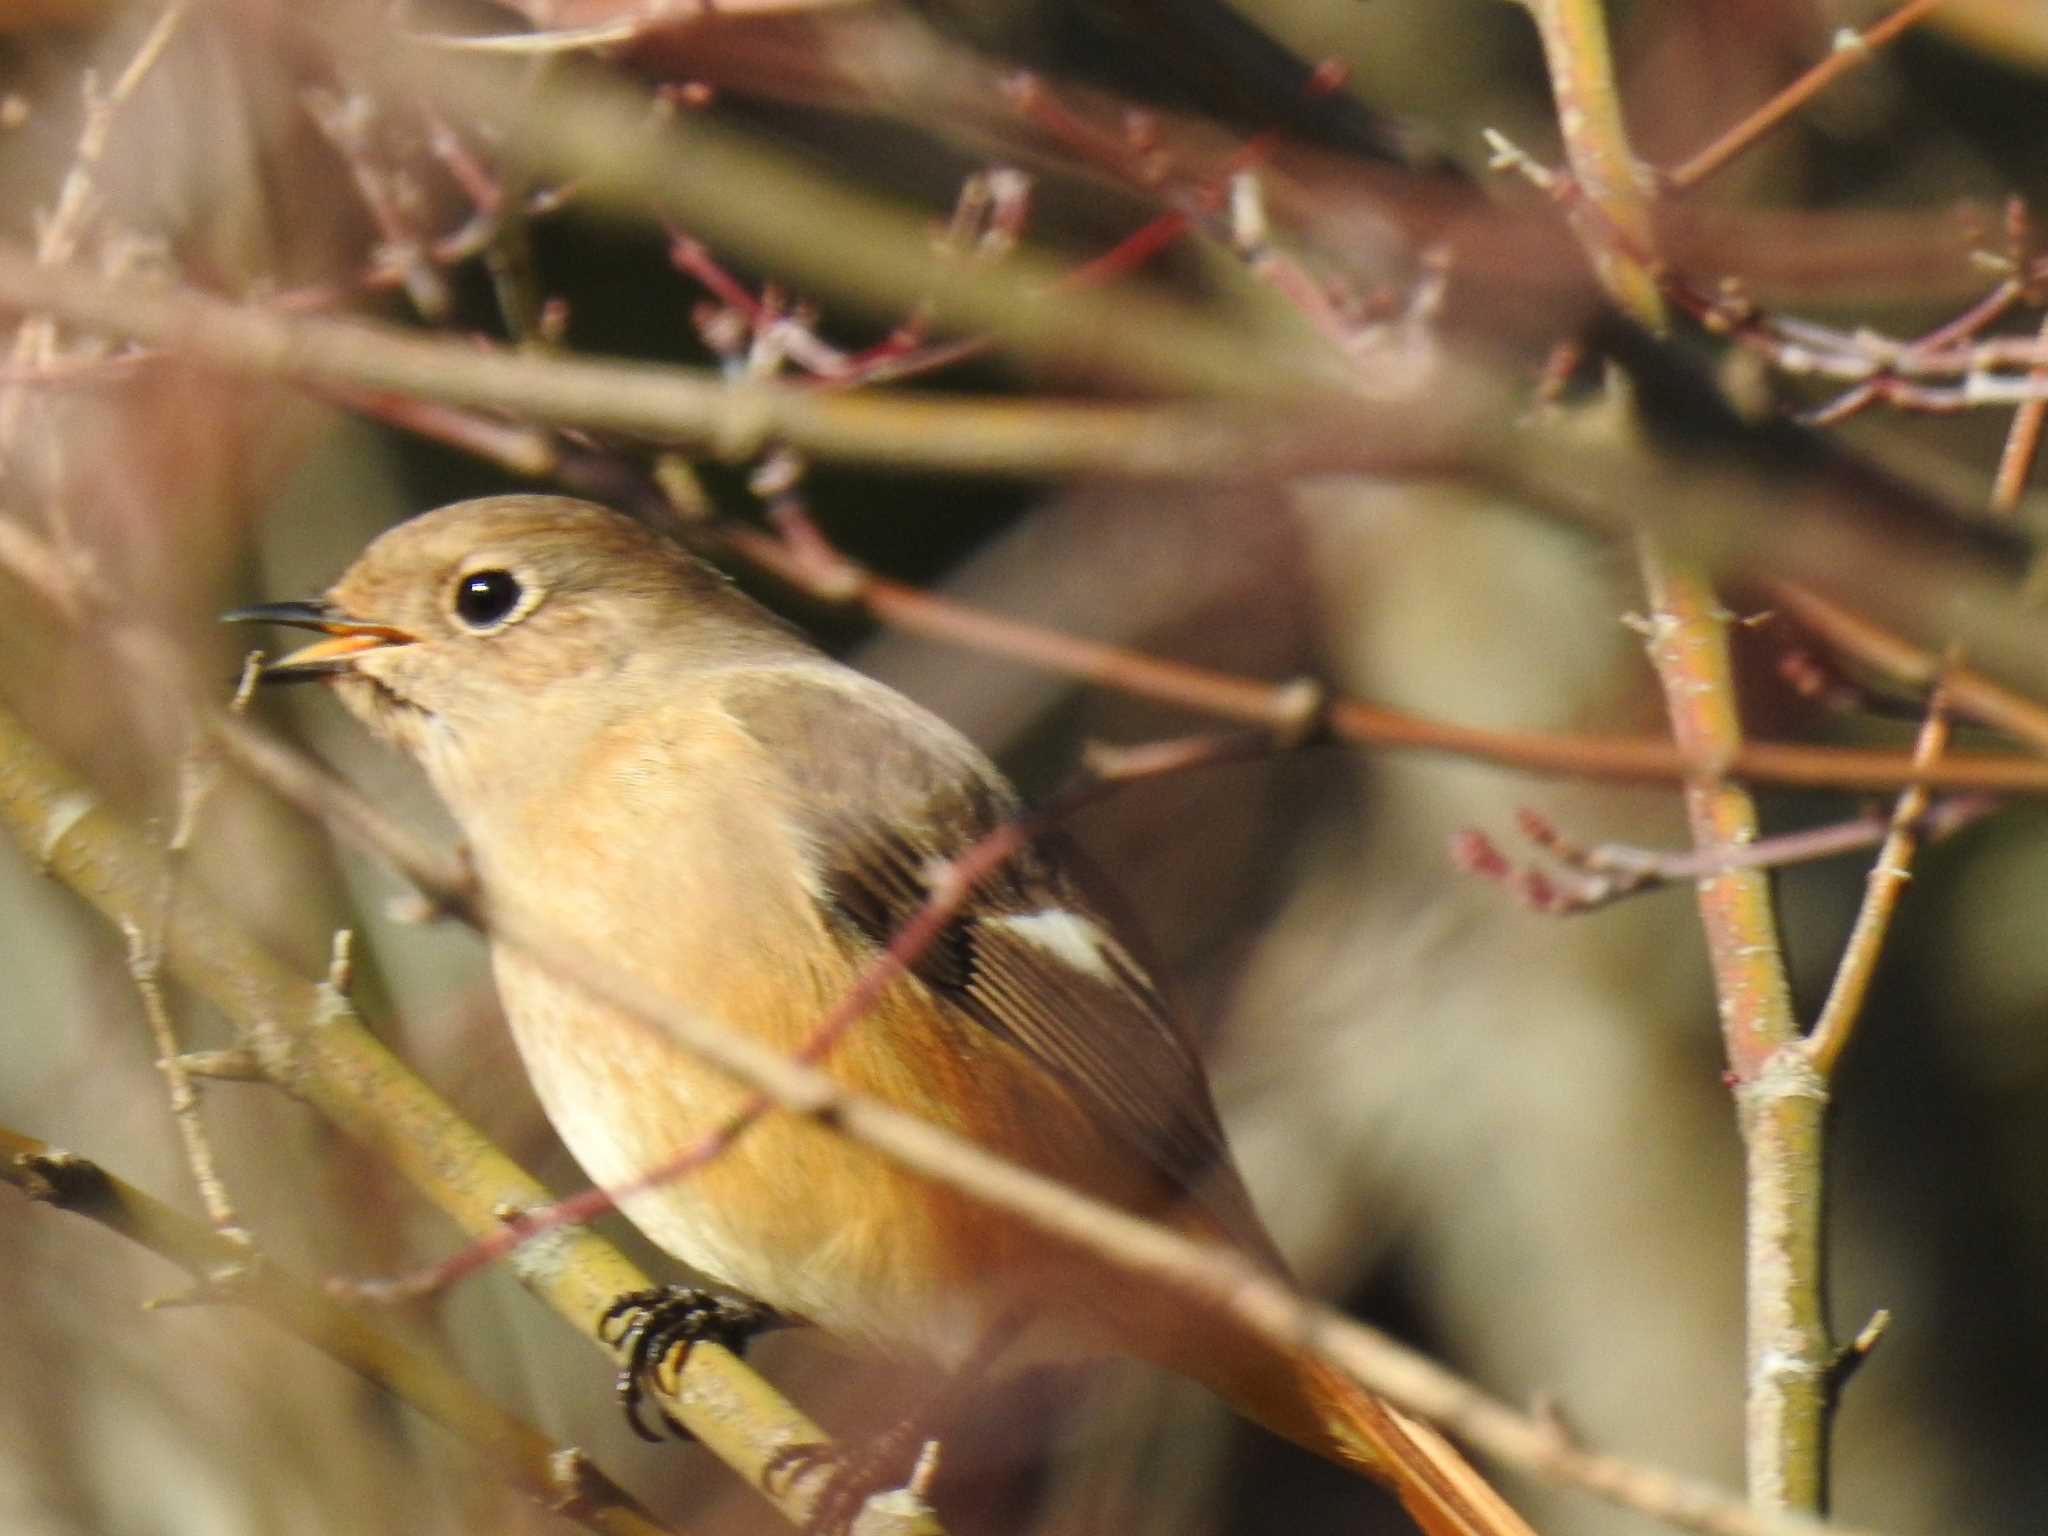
(647, 1327)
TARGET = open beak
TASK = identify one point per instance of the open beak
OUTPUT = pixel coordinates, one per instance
(346, 640)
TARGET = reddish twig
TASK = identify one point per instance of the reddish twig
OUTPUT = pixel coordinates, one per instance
(1590, 877)
(1971, 695)
(1852, 50)
(1830, 1034)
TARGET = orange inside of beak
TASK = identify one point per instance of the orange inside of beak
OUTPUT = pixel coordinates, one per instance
(353, 642)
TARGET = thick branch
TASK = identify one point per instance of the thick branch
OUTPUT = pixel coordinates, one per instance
(1618, 234)
(702, 410)
(1782, 1099)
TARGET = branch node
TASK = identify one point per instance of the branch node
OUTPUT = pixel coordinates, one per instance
(1299, 712)
(341, 963)
(1785, 1073)
(221, 1284)
(236, 1065)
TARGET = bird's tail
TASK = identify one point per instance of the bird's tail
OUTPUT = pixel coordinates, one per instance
(1324, 1411)
(1441, 1490)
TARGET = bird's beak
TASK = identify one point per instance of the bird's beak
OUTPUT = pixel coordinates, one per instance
(348, 639)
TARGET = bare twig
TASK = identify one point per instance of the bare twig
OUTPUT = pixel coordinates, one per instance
(198, 772)
(1852, 50)
(2022, 442)
(1358, 721)
(1971, 695)
(1831, 1031)
(1597, 876)
(738, 422)
(223, 1272)
(143, 968)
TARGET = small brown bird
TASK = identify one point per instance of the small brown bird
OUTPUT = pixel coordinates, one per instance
(669, 778)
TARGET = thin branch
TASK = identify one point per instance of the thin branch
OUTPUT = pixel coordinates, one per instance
(562, 1480)
(2022, 442)
(1461, 427)
(1830, 1034)
(648, 19)
(1598, 876)
(144, 958)
(1970, 694)
(1688, 646)
(198, 774)
(1264, 705)
(1852, 50)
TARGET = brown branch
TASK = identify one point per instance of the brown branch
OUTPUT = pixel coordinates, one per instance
(1263, 705)
(1830, 1034)
(1852, 50)
(1970, 694)
(225, 1271)
(2022, 441)
(198, 773)
(827, 576)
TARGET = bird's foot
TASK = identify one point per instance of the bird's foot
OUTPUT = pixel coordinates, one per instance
(853, 1474)
(648, 1327)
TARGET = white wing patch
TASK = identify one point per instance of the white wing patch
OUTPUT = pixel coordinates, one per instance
(1069, 937)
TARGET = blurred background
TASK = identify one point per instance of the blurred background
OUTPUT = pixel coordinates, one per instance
(1499, 1133)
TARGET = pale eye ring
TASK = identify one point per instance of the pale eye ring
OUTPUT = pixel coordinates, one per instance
(489, 599)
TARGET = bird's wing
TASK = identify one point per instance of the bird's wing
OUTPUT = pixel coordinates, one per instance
(887, 793)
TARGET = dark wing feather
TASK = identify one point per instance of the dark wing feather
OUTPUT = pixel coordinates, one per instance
(887, 791)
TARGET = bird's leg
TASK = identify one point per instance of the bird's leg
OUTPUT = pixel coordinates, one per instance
(646, 1327)
(886, 1460)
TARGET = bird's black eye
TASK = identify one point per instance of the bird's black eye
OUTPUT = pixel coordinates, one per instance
(484, 599)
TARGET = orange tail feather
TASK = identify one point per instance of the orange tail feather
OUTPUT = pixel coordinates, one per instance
(1324, 1411)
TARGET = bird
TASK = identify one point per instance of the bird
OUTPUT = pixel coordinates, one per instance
(661, 772)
